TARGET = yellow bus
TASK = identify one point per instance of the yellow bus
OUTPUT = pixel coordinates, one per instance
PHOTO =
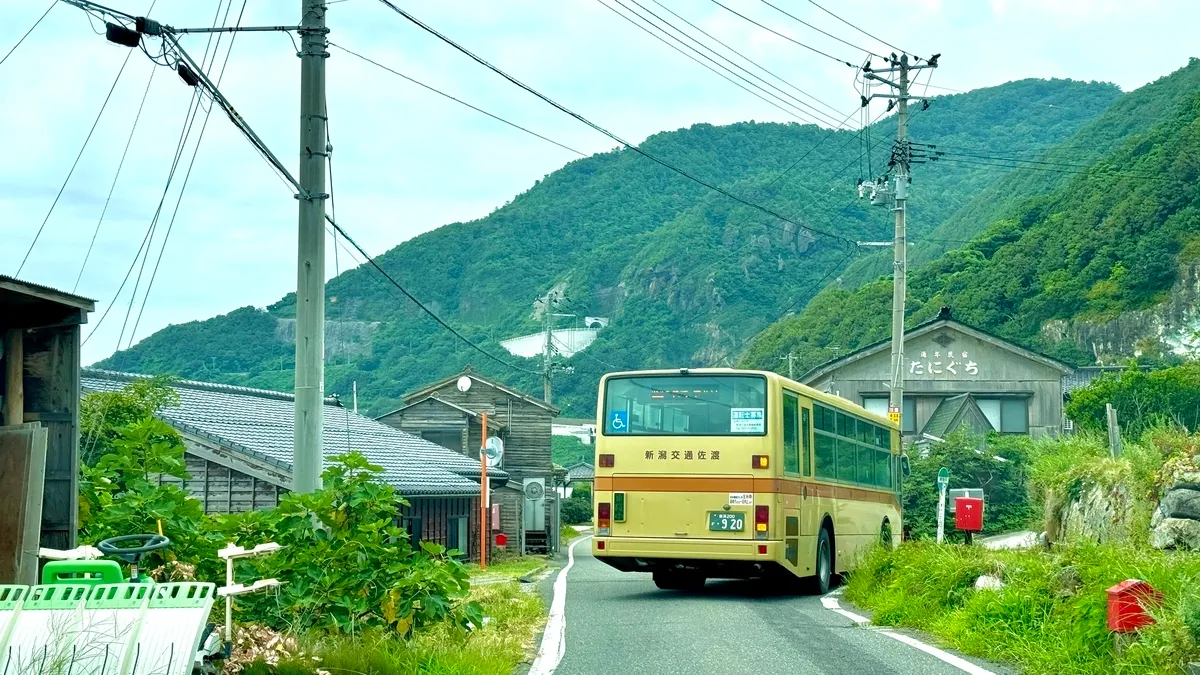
(722, 473)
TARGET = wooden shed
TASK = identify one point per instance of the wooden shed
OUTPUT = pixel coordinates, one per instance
(40, 327)
(449, 412)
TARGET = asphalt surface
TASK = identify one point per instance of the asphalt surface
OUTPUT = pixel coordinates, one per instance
(620, 622)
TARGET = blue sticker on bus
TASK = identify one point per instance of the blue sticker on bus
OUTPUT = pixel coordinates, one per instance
(619, 421)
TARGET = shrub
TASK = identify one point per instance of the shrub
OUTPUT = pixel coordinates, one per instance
(1142, 400)
(998, 465)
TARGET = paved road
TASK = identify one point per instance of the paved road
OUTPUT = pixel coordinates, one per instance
(621, 623)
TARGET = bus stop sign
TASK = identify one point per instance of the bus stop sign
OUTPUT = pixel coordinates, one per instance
(943, 478)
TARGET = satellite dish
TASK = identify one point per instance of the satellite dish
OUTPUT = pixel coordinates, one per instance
(464, 383)
(493, 450)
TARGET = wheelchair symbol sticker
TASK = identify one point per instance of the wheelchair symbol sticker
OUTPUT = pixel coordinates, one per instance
(619, 422)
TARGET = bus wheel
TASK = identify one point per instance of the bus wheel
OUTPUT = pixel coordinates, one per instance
(820, 582)
(885, 534)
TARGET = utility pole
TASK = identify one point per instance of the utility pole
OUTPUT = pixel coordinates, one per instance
(548, 316)
(791, 361)
(310, 263)
(901, 163)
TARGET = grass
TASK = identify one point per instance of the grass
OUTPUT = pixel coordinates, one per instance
(1051, 615)
(515, 617)
(510, 568)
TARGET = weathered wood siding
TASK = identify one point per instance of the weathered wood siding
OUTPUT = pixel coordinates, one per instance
(51, 382)
(435, 514)
(430, 416)
(224, 490)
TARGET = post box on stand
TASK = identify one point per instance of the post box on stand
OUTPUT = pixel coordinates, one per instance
(968, 515)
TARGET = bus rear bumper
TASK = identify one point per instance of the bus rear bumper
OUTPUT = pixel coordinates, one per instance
(633, 554)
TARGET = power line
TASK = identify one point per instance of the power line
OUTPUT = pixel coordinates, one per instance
(604, 131)
(191, 163)
(75, 164)
(831, 35)
(729, 61)
(31, 29)
(184, 132)
(789, 39)
(1025, 167)
(794, 112)
(746, 58)
(814, 4)
(457, 100)
(111, 188)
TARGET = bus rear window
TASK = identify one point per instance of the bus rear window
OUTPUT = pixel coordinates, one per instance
(686, 405)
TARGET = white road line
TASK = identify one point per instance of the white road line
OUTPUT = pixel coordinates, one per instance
(554, 640)
(960, 663)
(830, 602)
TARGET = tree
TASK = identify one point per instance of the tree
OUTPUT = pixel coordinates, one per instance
(997, 464)
(577, 509)
(1142, 400)
(127, 452)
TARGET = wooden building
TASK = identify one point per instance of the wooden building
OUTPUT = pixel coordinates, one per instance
(239, 448)
(450, 413)
(40, 329)
(1009, 389)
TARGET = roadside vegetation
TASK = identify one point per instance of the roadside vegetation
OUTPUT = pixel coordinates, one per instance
(357, 596)
(1048, 613)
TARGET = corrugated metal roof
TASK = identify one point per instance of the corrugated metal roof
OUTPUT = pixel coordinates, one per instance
(260, 423)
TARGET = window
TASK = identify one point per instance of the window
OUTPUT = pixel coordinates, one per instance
(825, 418)
(846, 455)
(1006, 415)
(879, 406)
(686, 405)
(456, 536)
(883, 468)
(845, 425)
(866, 465)
(791, 440)
(826, 456)
(447, 438)
(804, 436)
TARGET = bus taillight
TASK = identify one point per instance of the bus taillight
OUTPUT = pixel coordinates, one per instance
(759, 462)
(606, 461)
(762, 514)
(603, 516)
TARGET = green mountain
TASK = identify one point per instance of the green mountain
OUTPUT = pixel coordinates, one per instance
(1099, 264)
(685, 275)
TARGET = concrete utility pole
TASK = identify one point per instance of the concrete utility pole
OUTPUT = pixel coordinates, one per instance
(548, 315)
(902, 162)
(310, 263)
(791, 361)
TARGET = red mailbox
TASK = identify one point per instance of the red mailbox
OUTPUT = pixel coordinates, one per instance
(1127, 603)
(502, 539)
(968, 514)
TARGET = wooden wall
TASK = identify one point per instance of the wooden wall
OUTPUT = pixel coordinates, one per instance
(435, 514)
(224, 490)
(51, 382)
(434, 416)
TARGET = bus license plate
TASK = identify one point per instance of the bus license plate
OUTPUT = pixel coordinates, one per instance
(725, 521)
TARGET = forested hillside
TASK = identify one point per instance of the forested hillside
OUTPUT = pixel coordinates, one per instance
(686, 275)
(1113, 238)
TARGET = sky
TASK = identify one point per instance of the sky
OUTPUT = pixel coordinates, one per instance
(405, 160)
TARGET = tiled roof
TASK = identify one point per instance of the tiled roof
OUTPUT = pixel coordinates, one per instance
(260, 423)
(581, 471)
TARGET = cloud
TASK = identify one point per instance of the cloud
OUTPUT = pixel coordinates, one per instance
(407, 160)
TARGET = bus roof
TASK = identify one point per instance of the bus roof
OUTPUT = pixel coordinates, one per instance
(816, 395)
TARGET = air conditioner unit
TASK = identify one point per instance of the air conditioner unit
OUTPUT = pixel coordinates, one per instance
(535, 504)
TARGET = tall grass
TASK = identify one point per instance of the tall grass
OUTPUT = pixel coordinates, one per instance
(495, 649)
(1051, 615)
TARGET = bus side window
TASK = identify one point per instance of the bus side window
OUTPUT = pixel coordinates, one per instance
(804, 441)
(791, 444)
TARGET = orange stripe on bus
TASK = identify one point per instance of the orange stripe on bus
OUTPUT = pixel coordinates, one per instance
(724, 484)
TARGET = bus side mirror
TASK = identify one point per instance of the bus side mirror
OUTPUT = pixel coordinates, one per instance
(905, 467)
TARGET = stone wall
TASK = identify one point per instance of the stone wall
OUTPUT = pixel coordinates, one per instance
(1176, 521)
